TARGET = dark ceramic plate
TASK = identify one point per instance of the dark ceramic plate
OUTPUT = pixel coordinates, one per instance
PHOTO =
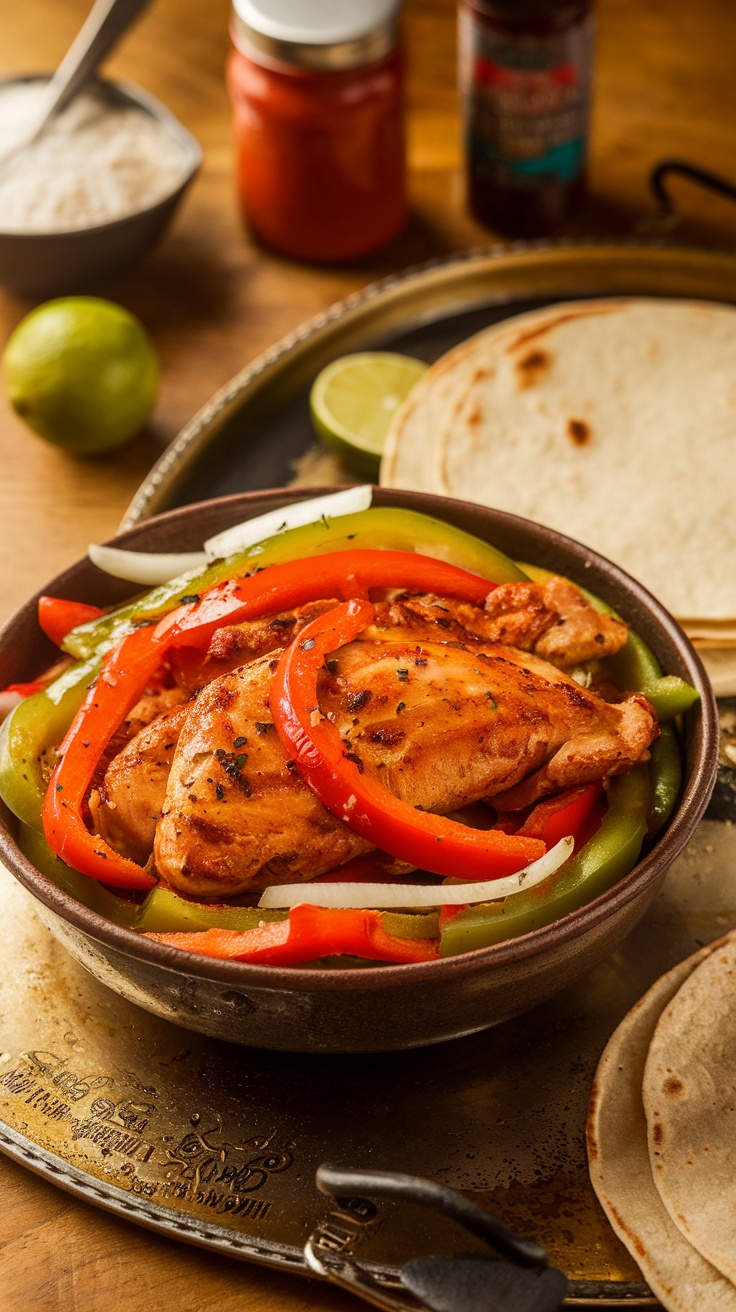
(404, 1006)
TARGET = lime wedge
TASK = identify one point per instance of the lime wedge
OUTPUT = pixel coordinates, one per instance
(353, 401)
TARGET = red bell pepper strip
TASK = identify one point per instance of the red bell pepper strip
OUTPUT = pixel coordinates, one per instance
(449, 913)
(58, 617)
(570, 812)
(342, 574)
(43, 680)
(26, 689)
(309, 933)
(431, 842)
(124, 674)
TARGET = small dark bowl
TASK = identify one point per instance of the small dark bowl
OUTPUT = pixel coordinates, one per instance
(370, 1009)
(43, 264)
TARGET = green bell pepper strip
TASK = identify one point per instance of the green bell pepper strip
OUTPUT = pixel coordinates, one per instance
(30, 735)
(87, 891)
(670, 696)
(381, 526)
(635, 666)
(164, 912)
(411, 924)
(609, 855)
(665, 773)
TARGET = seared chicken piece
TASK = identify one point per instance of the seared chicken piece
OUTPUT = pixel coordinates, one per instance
(126, 807)
(441, 725)
(125, 804)
(552, 619)
(579, 633)
(621, 736)
(154, 703)
(238, 644)
(236, 816)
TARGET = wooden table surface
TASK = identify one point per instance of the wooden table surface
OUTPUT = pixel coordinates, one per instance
(212, 299)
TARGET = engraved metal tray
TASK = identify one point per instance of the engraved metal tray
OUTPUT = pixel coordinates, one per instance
(218, 1145)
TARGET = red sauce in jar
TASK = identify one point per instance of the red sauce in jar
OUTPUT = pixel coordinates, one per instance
(321, 159)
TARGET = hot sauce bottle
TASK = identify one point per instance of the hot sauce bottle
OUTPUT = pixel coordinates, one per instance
(525, 80)
(317, 93)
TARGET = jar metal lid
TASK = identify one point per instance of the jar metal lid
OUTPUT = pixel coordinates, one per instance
(330, 35)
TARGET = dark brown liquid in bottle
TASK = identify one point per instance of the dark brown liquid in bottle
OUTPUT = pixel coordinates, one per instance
(525, 82)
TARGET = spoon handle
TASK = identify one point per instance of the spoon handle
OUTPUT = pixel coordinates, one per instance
(102, 29)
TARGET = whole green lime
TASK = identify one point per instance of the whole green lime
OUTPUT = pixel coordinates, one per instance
(82, 373)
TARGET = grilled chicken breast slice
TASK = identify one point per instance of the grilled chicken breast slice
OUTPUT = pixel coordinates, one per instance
(126, 807)
(441, 725)
(236, 815)
(552, 619)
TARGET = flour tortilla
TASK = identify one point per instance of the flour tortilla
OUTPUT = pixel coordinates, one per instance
(619, 1163)
(613, 421)
(410, 452)
(720, 666)
(689, 1093)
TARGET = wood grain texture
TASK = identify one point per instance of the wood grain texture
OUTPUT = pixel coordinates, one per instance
(212, 300)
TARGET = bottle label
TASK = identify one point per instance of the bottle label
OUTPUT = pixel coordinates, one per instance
(526, 100)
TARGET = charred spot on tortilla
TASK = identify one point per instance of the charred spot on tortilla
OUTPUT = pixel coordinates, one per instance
(533, 368)
(578, 432)
(636, 1241)
(582, 312)
(673, 1086)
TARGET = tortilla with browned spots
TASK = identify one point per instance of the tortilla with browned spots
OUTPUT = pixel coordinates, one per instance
(613, 421)
(689, 1095)
(619, 1162)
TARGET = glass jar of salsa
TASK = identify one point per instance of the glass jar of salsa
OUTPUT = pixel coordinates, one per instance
(317, 93)
(525, 80)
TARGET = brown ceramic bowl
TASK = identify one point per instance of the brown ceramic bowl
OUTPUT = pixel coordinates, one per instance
(366, 1010)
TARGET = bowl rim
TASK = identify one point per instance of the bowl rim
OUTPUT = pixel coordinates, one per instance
(525, 947)
(129, 93)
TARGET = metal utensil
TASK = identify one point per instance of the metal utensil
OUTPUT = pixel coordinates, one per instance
(106, 22)
(518, 1279)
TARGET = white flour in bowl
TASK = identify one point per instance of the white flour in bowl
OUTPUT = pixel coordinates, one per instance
(98, 161)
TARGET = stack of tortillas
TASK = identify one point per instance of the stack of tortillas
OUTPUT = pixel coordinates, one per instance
(613, 421)
(662, 1133)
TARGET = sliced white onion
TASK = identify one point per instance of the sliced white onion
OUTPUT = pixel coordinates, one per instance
(154, 567)
(145, 566)
(252, 531)
(378, 896)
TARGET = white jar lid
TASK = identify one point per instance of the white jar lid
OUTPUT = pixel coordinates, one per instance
(318, 33)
